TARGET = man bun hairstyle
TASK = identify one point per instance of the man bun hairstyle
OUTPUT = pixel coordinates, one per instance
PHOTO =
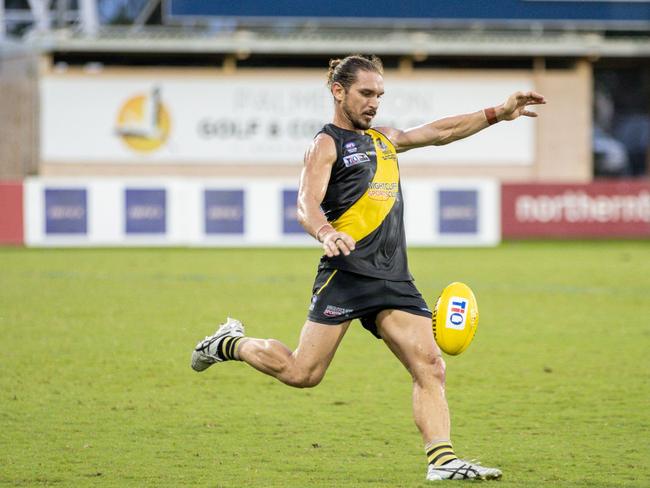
(344, 71)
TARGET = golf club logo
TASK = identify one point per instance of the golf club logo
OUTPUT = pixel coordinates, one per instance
(143, 122)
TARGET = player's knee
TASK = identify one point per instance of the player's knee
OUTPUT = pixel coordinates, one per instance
(433, 368)
(305, 378)
(439, 369)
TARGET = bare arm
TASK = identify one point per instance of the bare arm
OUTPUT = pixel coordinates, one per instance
(319, 159)
(451, 129)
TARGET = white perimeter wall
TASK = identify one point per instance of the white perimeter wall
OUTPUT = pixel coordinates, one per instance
(232, 212)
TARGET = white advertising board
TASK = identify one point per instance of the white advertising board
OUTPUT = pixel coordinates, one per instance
(192, 212)
(248, 119)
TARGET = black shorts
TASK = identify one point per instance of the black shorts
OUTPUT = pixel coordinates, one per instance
(339, 296)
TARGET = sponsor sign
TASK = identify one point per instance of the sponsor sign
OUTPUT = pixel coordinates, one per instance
(290, 223)
(600, 209)
(224, 211)
(334, 311)
(458, 211)
(253, 119)
(356, 158)
(456, 313)
(66, 211)
(145, 211)
(191, 212)
(11, 212)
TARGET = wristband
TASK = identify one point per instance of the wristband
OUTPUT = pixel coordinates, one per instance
(321, 228)
(490, 115)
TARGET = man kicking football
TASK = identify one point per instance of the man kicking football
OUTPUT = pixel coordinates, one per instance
(350, 200)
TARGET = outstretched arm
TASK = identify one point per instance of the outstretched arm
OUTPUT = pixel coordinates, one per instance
(451, 129)
(319, 159)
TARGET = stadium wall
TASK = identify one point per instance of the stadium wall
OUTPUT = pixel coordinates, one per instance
(19, 113)
(251, 212)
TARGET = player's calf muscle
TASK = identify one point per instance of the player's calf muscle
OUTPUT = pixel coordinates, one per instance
(268, 355)
(275, 359)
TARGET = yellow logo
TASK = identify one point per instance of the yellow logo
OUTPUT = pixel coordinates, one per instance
(382, 191)
(143, 122)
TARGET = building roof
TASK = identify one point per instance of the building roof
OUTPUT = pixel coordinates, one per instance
(320, 40)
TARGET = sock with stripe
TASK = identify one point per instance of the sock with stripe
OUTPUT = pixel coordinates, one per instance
(228, 348)
(440, 452)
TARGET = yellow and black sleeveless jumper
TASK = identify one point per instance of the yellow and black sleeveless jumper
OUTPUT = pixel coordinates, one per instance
(364, 199)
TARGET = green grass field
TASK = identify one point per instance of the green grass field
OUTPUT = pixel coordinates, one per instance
(96, 388)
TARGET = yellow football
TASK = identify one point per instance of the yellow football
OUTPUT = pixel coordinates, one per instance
(455, 318)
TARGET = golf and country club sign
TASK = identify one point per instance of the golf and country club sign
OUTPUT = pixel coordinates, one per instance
(244, 119)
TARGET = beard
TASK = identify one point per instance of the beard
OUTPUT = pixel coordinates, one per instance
(357, 121)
